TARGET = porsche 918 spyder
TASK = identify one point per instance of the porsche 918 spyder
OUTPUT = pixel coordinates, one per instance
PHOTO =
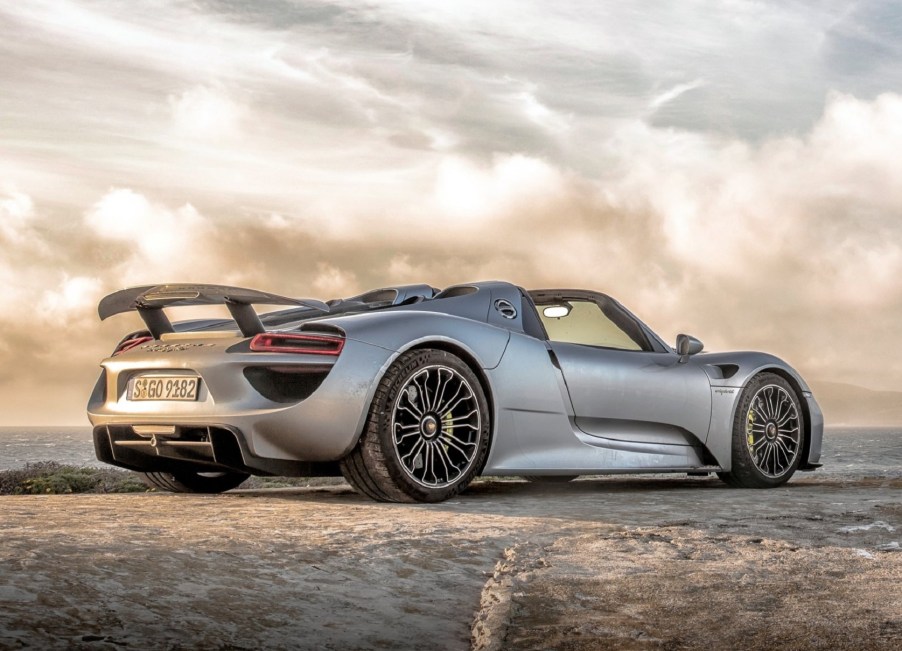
(410, 392)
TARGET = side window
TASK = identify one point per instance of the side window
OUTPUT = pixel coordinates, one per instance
(583, 322)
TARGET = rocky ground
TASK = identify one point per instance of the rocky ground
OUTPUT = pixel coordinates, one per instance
(613, 563)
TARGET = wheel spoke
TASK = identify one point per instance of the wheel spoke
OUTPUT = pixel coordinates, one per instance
(413, 450)
(440, 388)
(762, 458)
(442, 408)
(440, 452)
(455, 443)
(434, 396)
(429, 461)
(784, 409)
(784, 451)
(457, 419)
(403, 437)
(771, 460)
(468, 425)
(411, 409)
(421, 390)
(764, 406)
(777, 399)
(790, 416)
(790, 447)
(777, 465)
(428, 393)
(454, 406)
(771, 403)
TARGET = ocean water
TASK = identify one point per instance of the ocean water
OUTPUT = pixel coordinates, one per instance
(70, 445)
(860, 451)
(848, 451)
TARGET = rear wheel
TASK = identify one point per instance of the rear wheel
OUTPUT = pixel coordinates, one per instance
(427, 434)
(767, 434)
(189, 481)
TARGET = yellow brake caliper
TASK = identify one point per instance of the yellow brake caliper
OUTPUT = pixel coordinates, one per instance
(750, 422)
(447, 428)
(447, 424)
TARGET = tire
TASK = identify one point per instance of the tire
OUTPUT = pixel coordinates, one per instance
(191, 481)
(427, 433)
(768, 434)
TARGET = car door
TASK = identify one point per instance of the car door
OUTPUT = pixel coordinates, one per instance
(624, 384)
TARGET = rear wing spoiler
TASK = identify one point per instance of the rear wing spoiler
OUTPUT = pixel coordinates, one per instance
(150, 300)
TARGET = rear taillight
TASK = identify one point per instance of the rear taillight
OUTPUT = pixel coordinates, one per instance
(275, 342)
(128, 344)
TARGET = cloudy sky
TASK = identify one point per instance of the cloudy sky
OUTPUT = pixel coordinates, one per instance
(729, 169)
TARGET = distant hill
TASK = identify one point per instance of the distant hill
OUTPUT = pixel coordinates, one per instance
(847, 404)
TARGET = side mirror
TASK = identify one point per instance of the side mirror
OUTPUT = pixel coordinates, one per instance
(686, 346)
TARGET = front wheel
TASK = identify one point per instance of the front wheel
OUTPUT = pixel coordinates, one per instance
(768, 433)
(190, 481)
(427, 434)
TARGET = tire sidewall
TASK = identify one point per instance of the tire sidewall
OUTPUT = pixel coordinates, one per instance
(188, 481)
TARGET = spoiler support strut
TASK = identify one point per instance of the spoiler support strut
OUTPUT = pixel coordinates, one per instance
(156, 320)
(246, 317)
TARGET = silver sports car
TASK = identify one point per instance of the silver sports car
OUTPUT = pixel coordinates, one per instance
(410, 392)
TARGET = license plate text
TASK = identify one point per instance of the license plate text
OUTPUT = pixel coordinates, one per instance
(159, 387)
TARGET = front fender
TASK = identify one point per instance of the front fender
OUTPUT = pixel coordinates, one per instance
(729, 374)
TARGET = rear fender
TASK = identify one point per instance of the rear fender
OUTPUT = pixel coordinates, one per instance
(479, 345)
(403, 330)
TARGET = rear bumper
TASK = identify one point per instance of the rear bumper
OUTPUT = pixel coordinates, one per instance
(212, 447)
(231, 419)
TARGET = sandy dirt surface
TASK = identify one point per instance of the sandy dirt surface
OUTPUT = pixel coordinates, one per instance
(613, 563)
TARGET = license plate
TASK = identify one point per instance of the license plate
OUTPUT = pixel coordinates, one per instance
(163, 387)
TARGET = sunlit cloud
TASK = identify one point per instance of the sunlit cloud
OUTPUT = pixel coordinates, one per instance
(333, 281)
(206, 113)
(16, 208)
(541, 115)
(672, 93)
(73, 300)
(469, 192)
(150, 242)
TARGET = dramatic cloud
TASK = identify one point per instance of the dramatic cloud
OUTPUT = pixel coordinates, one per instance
(727, 169)
(206, 113)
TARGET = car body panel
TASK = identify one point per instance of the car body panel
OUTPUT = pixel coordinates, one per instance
(636, 396)
(536, 430)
